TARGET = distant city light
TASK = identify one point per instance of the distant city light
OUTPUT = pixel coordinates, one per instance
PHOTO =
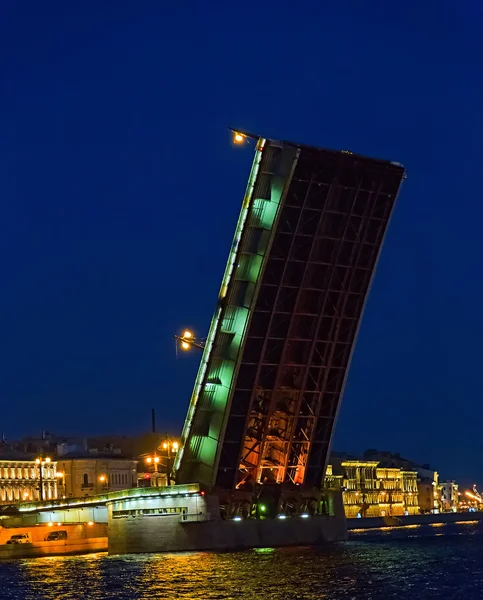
(237, 518)
(90, 523)
(281, 516)
(305, 516)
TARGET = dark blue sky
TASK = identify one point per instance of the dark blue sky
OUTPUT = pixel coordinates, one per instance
(120, 191)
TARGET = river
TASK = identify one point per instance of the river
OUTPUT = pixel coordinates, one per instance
(443, 562)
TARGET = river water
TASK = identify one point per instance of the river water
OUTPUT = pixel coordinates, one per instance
(421, 562)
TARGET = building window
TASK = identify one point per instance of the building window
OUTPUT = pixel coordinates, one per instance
(86, 479)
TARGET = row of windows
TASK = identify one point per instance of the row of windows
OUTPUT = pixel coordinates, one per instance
(114, 479)
(25, 472)
(26, 493)
(120, 479)
(118, 514)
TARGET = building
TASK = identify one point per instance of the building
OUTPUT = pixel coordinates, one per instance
(428, 490)
(274, 364)
(371, 489)
(92, 475)
(20, 480)
(448, 491)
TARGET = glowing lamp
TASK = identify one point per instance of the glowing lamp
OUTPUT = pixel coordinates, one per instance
(175, 445)
(187, 334)
(185, 346)
(149, 460)
(238, 138)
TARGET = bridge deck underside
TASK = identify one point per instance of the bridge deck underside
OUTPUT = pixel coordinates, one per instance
(300, 336)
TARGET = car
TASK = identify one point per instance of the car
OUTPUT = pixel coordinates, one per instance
(20, 538)
(56, 535)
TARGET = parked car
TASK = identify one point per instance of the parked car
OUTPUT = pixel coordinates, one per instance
(56, 535)
(20, 538)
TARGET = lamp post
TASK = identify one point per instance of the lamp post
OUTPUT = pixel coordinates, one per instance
(170, 447)
(41, 461)
(154, 461)
(187, 341)
(104, 481)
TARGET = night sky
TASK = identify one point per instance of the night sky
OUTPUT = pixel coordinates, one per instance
(120, 191)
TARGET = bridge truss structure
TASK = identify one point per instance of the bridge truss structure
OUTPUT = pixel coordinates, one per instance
(275, 362)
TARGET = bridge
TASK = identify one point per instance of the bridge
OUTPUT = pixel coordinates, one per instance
(275, 363)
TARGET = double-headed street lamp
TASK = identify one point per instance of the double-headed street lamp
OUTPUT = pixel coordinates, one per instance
(170, 447)
(41, 461)
(187, 341)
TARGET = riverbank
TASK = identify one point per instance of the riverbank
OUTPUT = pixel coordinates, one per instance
(411, 520)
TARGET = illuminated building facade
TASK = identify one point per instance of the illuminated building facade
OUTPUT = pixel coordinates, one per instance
(428, 491)
(372, 490)
(448, 491)
(90, 476)
(276, 357)
(20, 481)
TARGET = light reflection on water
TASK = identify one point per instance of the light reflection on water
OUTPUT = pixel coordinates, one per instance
(422, 563)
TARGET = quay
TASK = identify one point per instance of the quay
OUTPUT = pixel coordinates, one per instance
(372, 523)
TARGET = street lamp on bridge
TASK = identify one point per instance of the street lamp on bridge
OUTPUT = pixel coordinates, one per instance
(41, 461)
(187, 340)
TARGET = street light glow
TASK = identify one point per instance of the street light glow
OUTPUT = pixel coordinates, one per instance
(185, 346)
(238, 138)
(187, 334)
(149, 460)
(175, 445)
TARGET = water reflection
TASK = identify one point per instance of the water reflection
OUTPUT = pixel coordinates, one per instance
(391, 564)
